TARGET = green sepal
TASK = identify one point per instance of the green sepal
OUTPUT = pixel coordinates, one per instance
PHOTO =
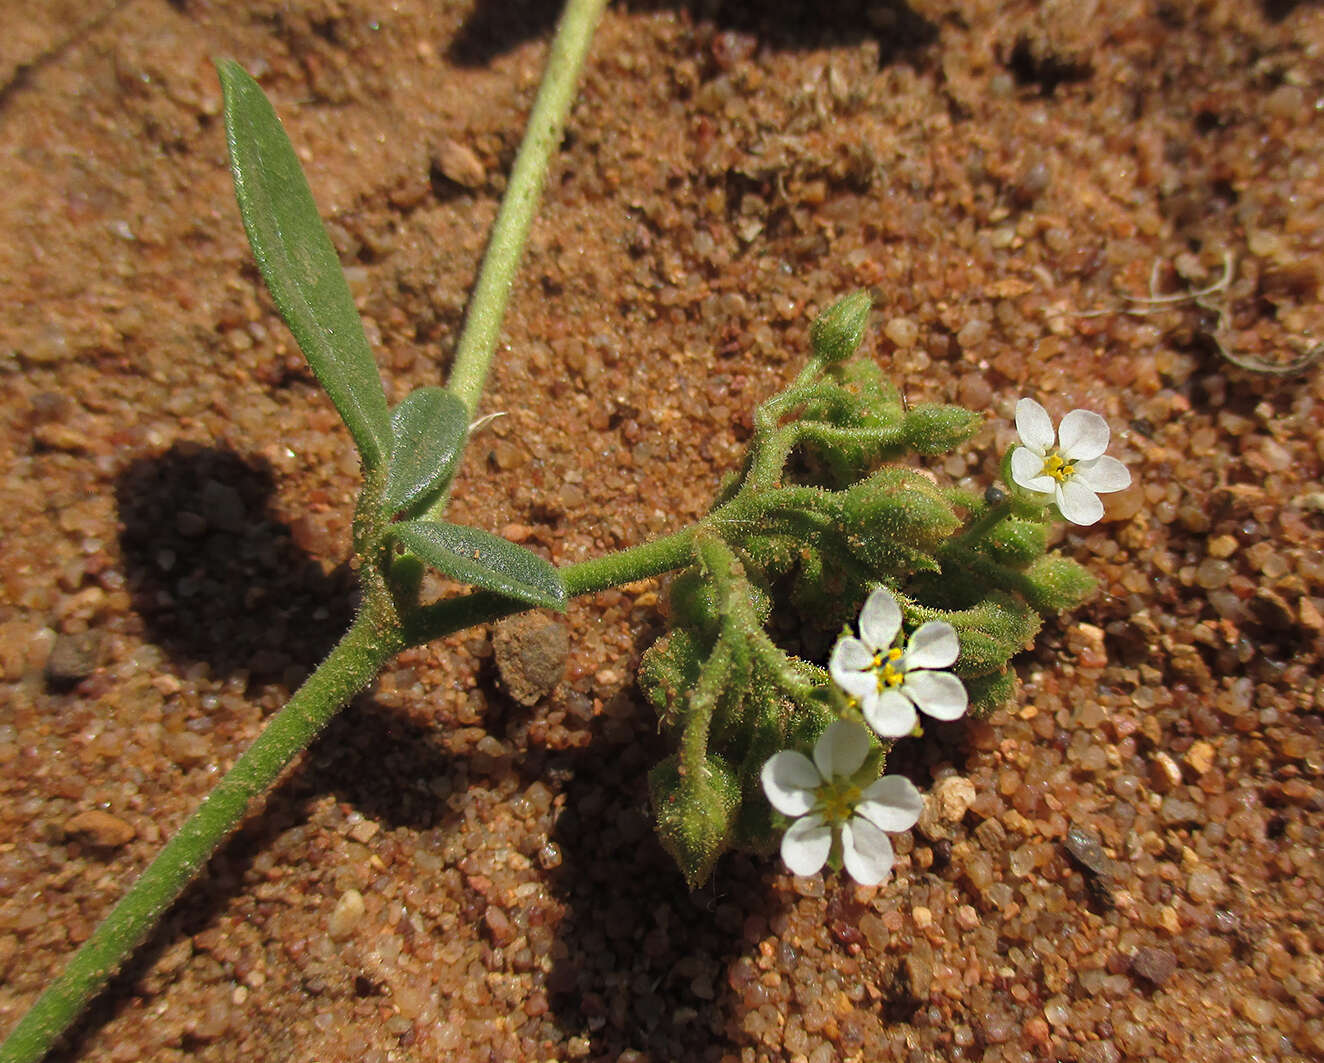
(693, 602)
(428, 431)
(837, 332)
(668, 671)
(933, 430)
(1017, 542)
(299, 264)
(1055, 583)
(695, 813)
(988, 692)
(897, 518)
(484, 560)
(990, 633)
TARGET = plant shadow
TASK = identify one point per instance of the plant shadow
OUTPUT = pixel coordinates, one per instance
(639, 960)
(496, 28)
(214, 576)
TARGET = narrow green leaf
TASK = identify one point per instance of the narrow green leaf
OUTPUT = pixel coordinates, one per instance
(298, 262)
(483, 560)
(428, 431)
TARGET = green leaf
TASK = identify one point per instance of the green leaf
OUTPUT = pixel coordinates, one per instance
(483, 560)
(428, 430)
(298, 262)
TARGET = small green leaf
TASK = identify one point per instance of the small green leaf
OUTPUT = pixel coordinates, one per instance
(428, 429)
(483, 560)
(298, 262)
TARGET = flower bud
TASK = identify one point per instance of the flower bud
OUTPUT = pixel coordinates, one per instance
(695, 814)
(938, 429)
(1056, 583)
(837, 331)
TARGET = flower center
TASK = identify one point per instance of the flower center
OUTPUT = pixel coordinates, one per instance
(836, 800)
(1057, 467)
(888, 674)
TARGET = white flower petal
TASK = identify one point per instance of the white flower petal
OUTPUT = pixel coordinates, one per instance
(1078, 503)
(1083, 435)
(938, 694)
(850, 663)
(880, 620)
(866, 852)
(790, 781)
(891, 714)
(933, 645)
(1103, 475)
(841, 749)
(805, 846)
(1034, 426)
(1027, 470)
(891, 803)
(859, 685)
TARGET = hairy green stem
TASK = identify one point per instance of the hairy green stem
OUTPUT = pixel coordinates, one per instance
(986, 522)
(694, 739)
(487, 306)
(350, 667)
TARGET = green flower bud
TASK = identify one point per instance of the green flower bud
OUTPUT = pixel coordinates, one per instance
(987, 692)
(939, 429)
(837, 331)
(693, 604)
(1017, 542)
(695, 813)
(991, 633)
(1056, 583)
(668, 671)
(895, 517)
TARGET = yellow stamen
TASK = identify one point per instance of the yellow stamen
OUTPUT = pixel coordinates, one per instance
(1057, 467)
(888, 676)
(837, 800)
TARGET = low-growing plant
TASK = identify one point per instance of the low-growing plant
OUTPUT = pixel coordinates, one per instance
(833, 521)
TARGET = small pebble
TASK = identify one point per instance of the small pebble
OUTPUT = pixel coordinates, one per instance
(1258, 1010)
(346, 915)
(945, 806)
(72, 659)
(1156, 966)
(459, 164)
(1088, 853)
(1205, 884)
(99, 828)
(902, 331)
(530, 652)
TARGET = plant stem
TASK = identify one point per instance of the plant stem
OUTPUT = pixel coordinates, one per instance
(482, 326)
(349, 668)
(986, 522)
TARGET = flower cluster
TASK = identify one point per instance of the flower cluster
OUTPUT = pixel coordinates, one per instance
(837, 805)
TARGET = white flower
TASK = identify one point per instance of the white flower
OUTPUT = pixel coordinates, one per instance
(825, 799)
(890, 682)
(1075, 471)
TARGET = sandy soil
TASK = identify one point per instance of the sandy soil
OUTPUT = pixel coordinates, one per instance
(452, 875)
